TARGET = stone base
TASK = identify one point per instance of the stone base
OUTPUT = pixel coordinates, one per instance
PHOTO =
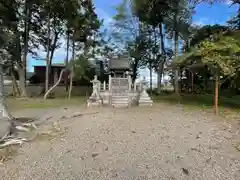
(91, 103)
(144, 99)
(145, 103)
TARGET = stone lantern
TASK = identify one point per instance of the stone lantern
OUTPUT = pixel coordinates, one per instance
(95, 98)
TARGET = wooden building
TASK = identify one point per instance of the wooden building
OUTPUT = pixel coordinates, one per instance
(39, 76)
(119, 67)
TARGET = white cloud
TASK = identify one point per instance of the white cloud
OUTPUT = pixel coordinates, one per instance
(228, 2)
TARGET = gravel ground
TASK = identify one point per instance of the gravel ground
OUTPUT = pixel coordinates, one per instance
(163, 142)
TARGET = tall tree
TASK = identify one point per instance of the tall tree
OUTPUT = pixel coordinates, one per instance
(130, 35)
(22, 22)
(153, 13)
(165, 17)
(220, 54)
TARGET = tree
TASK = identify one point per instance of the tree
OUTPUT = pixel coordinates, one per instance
(83, 69)
(5, 116)
(84, 26)
(220, 54)
(21, 19)
(129, 35)
(153, 13)
(53, 21)
(235, 21)
(163, 17)
(79, 22)
(199, 77)
(137, 51)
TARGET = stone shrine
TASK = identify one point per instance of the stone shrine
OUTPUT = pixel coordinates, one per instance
(120, 91)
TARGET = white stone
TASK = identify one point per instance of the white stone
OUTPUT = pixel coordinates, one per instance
(144, 98)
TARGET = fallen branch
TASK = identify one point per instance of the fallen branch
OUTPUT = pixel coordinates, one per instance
(21, 128)
(77, 115)
(56, 84)
(32, 125)
(13, 141)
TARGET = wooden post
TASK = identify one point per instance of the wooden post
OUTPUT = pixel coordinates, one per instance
(192, 80)
(109, 82)
(180, 84)
(110, 90)
(104, 85)
(135, 86)
(216, 111)
(129, 83)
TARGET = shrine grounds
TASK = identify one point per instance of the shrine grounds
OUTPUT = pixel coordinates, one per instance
(166, 141)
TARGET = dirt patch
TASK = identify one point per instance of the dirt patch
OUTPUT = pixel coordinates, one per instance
(162, 142)
(7, 153)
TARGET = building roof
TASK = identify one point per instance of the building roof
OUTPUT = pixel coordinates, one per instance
(119, 64)
(53, 65)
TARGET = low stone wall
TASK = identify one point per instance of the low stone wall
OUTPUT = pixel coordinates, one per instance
(59, 91)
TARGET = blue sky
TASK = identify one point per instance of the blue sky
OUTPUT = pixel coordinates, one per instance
(205, 14)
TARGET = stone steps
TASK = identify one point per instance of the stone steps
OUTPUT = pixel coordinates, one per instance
(120, 101)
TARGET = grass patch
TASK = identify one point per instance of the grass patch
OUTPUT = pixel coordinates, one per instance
(15, 103)
(227, 106)
(203, 100)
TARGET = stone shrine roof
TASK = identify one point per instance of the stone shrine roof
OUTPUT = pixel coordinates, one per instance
(119, 64)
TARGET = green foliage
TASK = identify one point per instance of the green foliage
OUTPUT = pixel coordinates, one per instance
(205, 32)
(220, 54)
(83, 70)
(153, 11)
(130, 34)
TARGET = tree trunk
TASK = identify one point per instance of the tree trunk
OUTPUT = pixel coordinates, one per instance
(16, 91)
(23, 70)
(135, 70)
(72, 69)
(5, 116)
(175, 21)
(66, 61)
(22, 81)
(150, 70)
(70, 85)
(47, 56)
(161, 65)
(216, 111)
(176, 84)
(19, 64)
(53, 50)
(160, 75)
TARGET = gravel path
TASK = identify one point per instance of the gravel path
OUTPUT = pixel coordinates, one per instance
(162, 143)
